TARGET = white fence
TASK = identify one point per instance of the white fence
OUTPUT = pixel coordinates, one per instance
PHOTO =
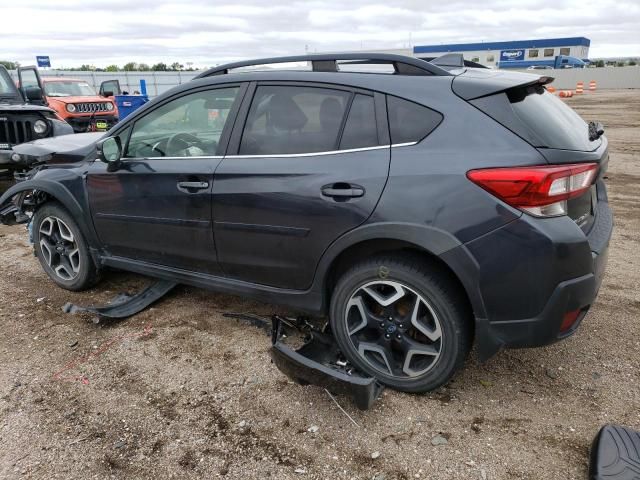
(157, 82)
(160, 82)
(606, 77)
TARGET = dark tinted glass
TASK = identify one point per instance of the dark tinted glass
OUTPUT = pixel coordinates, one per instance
(555, 124)
(360, 130)
(285, 120)
(410, 122)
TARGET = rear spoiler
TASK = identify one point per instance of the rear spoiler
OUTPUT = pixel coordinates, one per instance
(474, 84)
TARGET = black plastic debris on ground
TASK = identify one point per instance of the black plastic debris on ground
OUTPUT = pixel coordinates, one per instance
(125, 305)
(318, 362)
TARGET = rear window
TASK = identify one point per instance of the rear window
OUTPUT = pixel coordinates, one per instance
(293, 119)
(554, 123)
(410, 122)
(538, 117)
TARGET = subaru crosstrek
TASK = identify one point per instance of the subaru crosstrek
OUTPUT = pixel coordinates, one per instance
(422, 209)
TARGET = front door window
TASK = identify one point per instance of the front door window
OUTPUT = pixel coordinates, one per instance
(189, 126)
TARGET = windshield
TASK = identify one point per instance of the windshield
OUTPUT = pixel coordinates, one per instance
(7, 88)
(68, 88)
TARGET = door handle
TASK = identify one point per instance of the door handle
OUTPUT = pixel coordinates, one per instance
(191, 187)
(346, 191)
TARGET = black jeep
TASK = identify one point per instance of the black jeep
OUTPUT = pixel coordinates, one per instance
(23, 117)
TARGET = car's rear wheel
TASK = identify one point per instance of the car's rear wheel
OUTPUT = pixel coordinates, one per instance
(61, 248)
(401, 320)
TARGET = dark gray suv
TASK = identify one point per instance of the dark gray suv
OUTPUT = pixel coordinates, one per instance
(423, 209)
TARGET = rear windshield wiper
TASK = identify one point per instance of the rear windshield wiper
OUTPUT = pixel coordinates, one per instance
(596, 129)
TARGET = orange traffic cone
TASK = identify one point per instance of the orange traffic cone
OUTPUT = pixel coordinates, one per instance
(551, 89)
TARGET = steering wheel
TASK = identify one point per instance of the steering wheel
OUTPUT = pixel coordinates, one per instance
(181, 141)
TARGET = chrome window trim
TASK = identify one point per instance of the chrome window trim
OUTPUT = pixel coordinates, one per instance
(195, 157)
(328, 152)
(283, 155)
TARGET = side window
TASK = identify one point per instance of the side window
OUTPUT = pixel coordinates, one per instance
(286, 120)
(548, 52)
(360, 130)
(565, 51)
(410, 122)
(188, 126)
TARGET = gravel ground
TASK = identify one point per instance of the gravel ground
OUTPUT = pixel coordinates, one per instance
(181, 392)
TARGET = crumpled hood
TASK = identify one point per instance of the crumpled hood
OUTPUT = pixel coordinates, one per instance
(62, 149)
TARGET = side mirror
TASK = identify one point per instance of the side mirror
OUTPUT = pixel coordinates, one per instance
(110, 151)
(33, 94)
(107, 93)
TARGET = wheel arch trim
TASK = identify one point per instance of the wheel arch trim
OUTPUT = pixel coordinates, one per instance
(431, 240)
(59, 192)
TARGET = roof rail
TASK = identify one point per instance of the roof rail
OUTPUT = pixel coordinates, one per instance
(327, 62)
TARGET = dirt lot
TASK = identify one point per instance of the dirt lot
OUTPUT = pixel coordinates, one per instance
(181, 392)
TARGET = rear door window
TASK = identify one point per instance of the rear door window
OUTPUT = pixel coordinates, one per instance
(410, 122)
(361, 130)
(293, 119)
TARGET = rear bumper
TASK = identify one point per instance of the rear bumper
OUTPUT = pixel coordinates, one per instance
(538, 287)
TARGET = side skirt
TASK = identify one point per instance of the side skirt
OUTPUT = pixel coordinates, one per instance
(309, 301)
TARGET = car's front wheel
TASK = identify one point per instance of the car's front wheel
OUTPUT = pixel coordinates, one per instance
(61, 248)
(401, 320)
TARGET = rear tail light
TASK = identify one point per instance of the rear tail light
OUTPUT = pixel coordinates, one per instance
(542, 191)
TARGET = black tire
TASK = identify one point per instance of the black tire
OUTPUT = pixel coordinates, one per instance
(44, 220)
(436, 294)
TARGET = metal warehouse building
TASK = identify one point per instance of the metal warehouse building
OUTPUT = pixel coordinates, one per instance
(514, 54)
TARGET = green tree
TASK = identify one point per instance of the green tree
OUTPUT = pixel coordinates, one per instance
(9, 65)
(143, 67)
(177, 66)
(130, 67)
(632, 63)
(600, 63)
(112, 68)
(160, 67)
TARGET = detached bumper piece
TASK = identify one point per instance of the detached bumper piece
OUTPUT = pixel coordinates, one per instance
(8, 214)
(317, 362)
(125, 305)
(615, 454)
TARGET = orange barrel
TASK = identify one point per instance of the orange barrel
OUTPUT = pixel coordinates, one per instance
(551, 89)
(592, 86)
(580, 87)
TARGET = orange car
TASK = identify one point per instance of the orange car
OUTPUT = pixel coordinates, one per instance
(75, 101)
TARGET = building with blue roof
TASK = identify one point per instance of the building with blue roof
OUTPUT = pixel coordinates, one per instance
(512, 54)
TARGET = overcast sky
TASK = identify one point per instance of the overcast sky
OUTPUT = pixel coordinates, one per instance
(207, 32)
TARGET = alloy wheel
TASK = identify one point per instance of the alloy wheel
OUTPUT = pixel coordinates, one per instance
(59, 248)
(394, 329)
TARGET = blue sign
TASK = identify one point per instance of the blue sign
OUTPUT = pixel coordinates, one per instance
(43, 61)
(511, 55)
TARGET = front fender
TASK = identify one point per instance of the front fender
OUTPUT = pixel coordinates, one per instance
(61, 185)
